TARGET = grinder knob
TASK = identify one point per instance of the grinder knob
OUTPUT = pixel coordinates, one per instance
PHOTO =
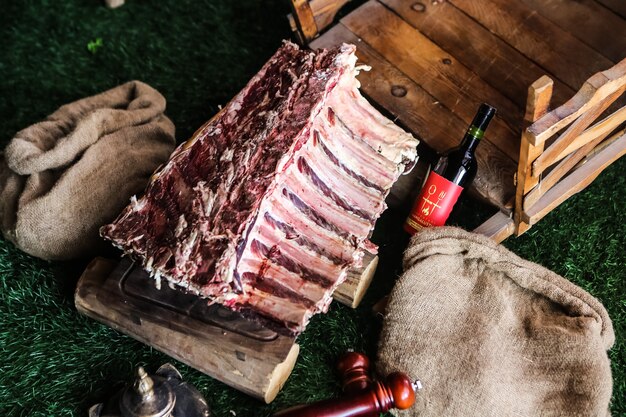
(354, 368)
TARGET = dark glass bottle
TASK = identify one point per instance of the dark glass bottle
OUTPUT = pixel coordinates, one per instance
(451, 174)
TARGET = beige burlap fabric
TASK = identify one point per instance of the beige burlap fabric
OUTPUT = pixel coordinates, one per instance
(491, 334)
(62, 178)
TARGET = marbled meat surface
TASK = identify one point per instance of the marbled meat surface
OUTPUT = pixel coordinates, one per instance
(270, 203)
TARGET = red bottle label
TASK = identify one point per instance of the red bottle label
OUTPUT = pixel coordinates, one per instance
(434, 204)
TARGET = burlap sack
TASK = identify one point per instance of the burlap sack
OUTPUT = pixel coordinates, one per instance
(491, 334)
(61, 179)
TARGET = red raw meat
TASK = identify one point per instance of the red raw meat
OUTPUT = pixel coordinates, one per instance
(269, 204)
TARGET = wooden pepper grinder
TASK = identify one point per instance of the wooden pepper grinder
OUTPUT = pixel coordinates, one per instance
(354, 370)
(398, 391)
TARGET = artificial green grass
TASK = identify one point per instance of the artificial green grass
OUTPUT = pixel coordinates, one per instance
(56, 362)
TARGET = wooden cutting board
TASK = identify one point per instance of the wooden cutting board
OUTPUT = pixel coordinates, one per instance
(212, 339)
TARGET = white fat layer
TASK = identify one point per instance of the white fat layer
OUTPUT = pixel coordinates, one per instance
(207, 197)
(180, 227)
(227, 155)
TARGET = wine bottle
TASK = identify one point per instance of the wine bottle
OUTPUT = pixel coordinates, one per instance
(451, 174)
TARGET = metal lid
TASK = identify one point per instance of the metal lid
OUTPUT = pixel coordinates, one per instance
(147, 397)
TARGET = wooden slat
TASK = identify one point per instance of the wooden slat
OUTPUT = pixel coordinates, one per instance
(436, 71)
(564, 56)
(593, 91)
(487, 55)
(616, 6)
(600, 129)
(588, 21)
(578, 180)
(560, 171)
(549, 156)
(426, 117)
(539, 95)
(324, 11)
(304, 19)
(498, 227)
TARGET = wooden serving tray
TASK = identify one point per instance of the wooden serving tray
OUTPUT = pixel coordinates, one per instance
(212, 339)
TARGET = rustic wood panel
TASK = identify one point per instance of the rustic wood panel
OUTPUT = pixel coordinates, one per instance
(552, 154)
(595, 89)
(325, 11)
(436, 71)
(539, 96)
(304, 20)
(553, 48)
(227, 347)
(495, 61)
(498, 227)
(588, 21)
(425, 116)
(558, 173)
(600, 129)
(578, 180)
(617, 6)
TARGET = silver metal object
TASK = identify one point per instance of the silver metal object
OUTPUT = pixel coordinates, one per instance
(163, 394)
(417, 385)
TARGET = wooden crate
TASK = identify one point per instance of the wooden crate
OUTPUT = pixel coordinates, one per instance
(434, 62)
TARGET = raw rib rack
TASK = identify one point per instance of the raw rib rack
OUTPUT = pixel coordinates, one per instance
(270, 203)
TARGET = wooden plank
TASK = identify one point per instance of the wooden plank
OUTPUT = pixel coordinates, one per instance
(324, 11)
(304, 19)
(560, 53)
(436, 71)
(600, 129)
(578, 180)
(560, 171)
(539, 95)
(616, 6)
(595, 89)
(498, 227)
(495, 61)
(549, 156)
(256, 363)
(426, 117)
(589, 22)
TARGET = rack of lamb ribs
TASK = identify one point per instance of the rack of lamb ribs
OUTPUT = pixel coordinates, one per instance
(270, 203)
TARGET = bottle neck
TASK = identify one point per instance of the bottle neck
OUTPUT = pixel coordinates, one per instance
(471, 139)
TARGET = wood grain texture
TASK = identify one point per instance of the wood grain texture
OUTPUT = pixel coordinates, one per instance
(495, 61)
(561, 170)
(426, 117)
(256, 361)
(616, 6)
(538, 102)
(436, 71)
(589, 22)
(498, 227)
(304, 19)
(564, 56)
(553, 153)
(578, 179)
(597, 88)
(324, 11)
(600, 129)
